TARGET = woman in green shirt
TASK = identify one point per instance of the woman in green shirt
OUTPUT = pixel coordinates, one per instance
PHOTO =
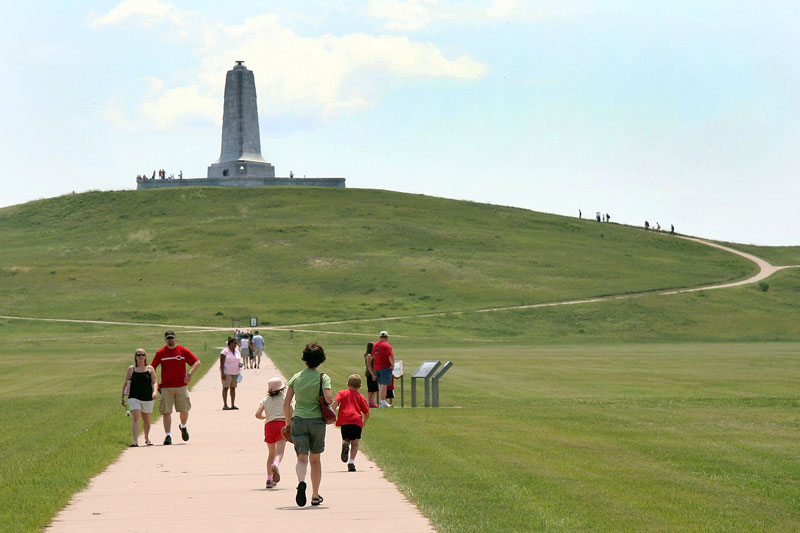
(307, 424)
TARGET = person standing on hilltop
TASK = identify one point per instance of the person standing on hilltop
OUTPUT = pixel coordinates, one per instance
(175, 384)
(383, 363)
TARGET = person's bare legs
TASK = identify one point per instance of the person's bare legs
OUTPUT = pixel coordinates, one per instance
(233, 396)
(184, 417)
(225, 396)
(272, 452)
(316, 474)
(353, 449)
(136, 413)
(146, 420)
(382, 393)
(301, 467)
(371, 396)
(281, 447)
(167, 420)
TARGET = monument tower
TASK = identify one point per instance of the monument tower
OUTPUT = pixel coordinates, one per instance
(241, 140)
(240, 163)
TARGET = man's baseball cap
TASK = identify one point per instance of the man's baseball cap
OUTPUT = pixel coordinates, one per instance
(169, 334)
(384, 334)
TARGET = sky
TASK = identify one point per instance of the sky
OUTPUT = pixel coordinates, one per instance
(679, 112)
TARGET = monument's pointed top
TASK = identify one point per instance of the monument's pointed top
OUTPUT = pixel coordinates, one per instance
(239, 64)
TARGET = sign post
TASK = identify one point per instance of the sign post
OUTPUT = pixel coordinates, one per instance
(397, 372)
(435, 381)
(424, 371)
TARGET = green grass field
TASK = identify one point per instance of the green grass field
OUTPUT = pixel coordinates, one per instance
(647, 413)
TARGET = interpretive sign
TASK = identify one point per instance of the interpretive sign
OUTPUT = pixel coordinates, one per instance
(425, 371)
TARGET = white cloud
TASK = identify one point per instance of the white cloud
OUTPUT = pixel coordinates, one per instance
(154, 84)
(295, 75)
(403, 15)
(147, 11)
(412, 15)
(181, 102)
(502, 8)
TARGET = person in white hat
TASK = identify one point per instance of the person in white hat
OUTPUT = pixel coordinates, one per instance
(270, 410)
(383, 363)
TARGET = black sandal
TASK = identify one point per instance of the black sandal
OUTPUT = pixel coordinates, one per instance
(300, 497)
(134, 445)
(316, 500)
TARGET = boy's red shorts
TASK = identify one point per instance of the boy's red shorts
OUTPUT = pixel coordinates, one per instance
(272, 431)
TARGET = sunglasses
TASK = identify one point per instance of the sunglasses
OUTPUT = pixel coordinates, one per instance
(141, 355)
(170, 338)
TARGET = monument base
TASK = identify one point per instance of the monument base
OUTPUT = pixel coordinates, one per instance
(242, 181)
(241, 168)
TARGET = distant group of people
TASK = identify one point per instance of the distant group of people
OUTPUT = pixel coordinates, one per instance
(600, 217)
(291, 412)
(657, 227)
(605, 217)
(162, 175)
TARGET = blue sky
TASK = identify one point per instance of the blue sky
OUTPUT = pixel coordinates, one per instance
(682, 113)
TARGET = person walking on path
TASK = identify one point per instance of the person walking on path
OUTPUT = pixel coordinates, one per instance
(307, 424)
(247, 355)
(230, 364)
(141, 387)
(258, 348)
(353, 414)
(369, 374)
(270, 410)
(383, 362)
(174, 386)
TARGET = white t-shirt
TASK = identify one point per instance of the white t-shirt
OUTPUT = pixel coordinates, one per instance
(273, 406)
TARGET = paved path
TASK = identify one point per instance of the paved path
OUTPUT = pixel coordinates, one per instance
(215, 481)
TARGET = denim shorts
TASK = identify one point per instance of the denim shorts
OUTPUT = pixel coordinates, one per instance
(384, 376)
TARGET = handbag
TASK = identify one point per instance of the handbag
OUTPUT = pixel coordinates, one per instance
(327, 413)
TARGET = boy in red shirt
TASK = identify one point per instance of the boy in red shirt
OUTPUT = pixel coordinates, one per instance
(353, 414)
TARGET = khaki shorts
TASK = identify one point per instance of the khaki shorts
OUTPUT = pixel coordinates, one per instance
(177, 397)
(229, 381)
(308, 434)
(141, 405)
(257, 352)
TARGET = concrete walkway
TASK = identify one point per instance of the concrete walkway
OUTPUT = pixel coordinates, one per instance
(215, 481)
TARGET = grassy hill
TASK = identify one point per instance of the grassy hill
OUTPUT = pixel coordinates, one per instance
(295, 256)
(651, 412)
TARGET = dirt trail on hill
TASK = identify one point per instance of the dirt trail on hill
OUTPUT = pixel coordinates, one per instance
(765, 270)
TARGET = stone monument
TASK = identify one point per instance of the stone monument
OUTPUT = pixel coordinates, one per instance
(240, 162)
(241, 139)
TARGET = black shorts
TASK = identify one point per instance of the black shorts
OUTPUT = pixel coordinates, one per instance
(390, 393)
(351, 432)
(372, 385)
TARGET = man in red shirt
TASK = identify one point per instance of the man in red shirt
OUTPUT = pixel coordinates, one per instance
(384, 365)
(174, 384)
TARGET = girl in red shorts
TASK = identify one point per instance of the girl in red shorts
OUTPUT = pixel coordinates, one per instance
(270, 409)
